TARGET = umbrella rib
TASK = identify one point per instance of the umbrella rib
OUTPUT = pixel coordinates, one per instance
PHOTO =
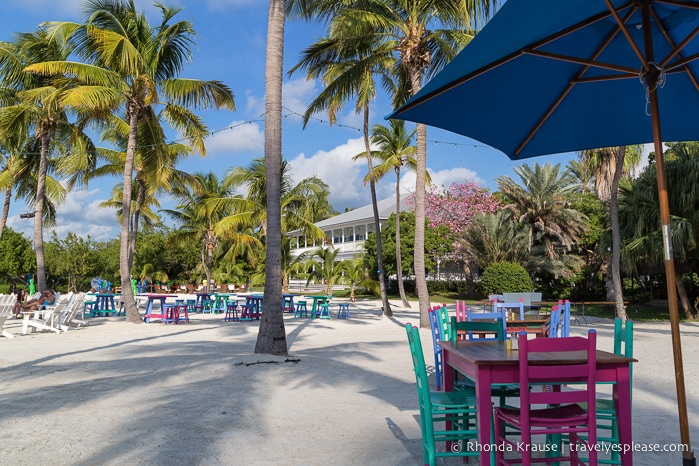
(629, 39)
(581, 61)
(457, 82)
(682, 61)
(579, 79)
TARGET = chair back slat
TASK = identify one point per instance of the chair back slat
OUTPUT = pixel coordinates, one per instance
(533, 368)
(493, 316)
(474, 327)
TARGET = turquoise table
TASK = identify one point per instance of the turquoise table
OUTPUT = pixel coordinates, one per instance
(318, 298)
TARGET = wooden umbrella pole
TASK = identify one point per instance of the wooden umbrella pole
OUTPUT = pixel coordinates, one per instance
(687, 453)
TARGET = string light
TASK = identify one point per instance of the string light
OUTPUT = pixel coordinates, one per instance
(289, 112)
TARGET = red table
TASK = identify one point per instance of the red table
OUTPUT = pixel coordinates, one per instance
(149, 307)
(488, 362)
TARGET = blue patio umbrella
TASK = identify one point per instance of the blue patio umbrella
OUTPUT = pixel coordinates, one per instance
(555, 76)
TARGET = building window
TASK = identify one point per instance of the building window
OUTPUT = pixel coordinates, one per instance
(337, 236)
(369, 229)
(349, 235)
(327, 238)
(360, 233)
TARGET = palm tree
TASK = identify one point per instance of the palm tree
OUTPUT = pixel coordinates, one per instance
(641, 221)
(271, 338)
(322, 265)
(35, 104)
(394, 151)
(347, 63)
(423, 35)
(496, 237)
(609, 165)
(200, 214)
(134, 66)
(356, 275)
(541, 204)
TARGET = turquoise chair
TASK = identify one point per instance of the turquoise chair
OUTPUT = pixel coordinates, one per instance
(444, 416)
(606, 415)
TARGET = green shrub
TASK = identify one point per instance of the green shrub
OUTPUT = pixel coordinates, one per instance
(506, 277)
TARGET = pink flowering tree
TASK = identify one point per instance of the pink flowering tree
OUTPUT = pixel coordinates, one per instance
(456, 206)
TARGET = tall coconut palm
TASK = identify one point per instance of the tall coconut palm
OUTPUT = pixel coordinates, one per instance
(271, 338)
(424, 35)
(395, 149)
(38, 107)
(134, 67)
(609, 165)
(347, 61)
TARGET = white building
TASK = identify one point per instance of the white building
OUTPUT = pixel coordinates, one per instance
(347, 232)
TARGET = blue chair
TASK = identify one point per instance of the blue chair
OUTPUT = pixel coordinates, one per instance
(437, 336)
(555, 323)
(343, 311)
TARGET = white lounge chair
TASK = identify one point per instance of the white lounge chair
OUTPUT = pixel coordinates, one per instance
(7, 303)
(42, 319)
(76, 305)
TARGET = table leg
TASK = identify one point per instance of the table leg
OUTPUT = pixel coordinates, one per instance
(484, 409)
(622, 404)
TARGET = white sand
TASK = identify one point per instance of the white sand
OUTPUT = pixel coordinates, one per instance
(116, 393)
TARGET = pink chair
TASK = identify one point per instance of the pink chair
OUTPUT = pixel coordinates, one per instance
(461, 311)
(541, 362)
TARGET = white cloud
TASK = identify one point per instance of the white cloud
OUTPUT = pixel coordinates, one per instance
(240, 136)
(79, 214)
(336, 168)
(297, 94)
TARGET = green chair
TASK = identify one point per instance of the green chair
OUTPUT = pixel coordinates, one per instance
(472, 329)
(606, 415)
(457, 410)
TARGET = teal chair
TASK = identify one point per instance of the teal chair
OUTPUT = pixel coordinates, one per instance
(472, 329)
(448, 417)
(606, 415)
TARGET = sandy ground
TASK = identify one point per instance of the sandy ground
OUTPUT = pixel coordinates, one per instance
(116, 393)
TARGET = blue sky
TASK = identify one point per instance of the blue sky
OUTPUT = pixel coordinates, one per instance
(231, 48)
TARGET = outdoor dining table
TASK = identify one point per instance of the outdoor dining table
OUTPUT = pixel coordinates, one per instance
(316, 299)
(489, 362)
(149, 305)
(252, 307)
(202, 297)
(104, 303)
(288, 302)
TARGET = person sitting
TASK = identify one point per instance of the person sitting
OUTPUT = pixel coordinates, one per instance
(48, 298)
(21, 297)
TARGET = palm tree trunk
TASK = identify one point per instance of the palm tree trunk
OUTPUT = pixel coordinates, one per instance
(5, 210)
(127, 296)
(140, 198)
(616, 235)
(39, 212)
(420, 176)
(271, 338)
(386, 307)
(683, 297)
(399, 261)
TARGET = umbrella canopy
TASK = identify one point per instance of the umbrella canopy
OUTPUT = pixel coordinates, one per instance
(532, 84)
(556, 76)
